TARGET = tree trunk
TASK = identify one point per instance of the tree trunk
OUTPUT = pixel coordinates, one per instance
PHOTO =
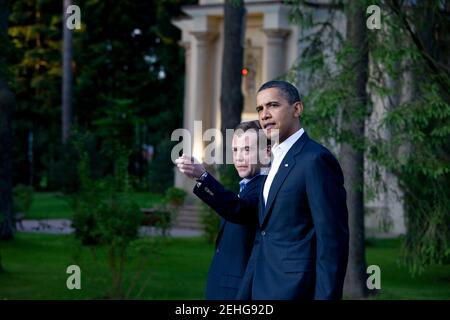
(67, 76)
(352, 155)
(231, 97)
(7, 104)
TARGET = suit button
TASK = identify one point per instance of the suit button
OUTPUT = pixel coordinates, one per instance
(217, 251)
(263, 233)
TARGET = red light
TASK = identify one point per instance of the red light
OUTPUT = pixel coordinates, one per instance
(244, 71)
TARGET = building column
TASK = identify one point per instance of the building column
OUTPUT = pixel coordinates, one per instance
(274, 58)
(200, 103)
(181, 181)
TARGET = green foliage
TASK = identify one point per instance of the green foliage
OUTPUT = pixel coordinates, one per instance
(163, 215)
(7, 49)
(104, 213)
(35, 30)
(23, 198)
(412, 138)
(229, 177)
(420, 131)
(161, 169)
(104, 209)
(63, 166)
(173, 201)
(175, 196)
(417, 150)
(125, 55)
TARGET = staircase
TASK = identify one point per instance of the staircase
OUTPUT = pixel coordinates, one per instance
(188, 218)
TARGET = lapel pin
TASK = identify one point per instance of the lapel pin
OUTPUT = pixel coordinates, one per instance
(286, 165)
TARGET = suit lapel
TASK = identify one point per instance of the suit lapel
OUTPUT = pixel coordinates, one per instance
(285, 167)
(261, 202)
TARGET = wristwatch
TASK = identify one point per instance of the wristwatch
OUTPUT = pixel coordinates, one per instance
(202, 177)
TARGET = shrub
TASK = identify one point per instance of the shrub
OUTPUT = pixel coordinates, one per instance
(63, 168)
(165, 215)
(175, 196)
(105, 214)
(23, 198)
(160, 169)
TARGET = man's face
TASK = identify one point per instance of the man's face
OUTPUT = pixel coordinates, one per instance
(245, 153)
(277, 117)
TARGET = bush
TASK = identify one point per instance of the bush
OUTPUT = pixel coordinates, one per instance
(105, 214)
(63, 168)
(23, 198)
(163, 216)
(160, 169)
(175, 196)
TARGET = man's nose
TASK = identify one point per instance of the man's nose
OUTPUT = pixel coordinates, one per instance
(265, 114)
(239, 156)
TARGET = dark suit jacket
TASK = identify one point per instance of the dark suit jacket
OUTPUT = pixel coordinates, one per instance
(301, 244)
(234, 242)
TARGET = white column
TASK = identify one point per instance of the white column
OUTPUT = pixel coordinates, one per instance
(200, 87)
(274, 60)
(181, 181)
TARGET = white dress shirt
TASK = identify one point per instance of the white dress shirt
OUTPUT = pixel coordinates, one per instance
(279, 151)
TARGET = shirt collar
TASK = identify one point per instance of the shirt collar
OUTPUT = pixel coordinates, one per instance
(284, 147)
(247, 180)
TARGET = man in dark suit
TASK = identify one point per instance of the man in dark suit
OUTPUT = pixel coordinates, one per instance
(301, 244)
(234, 242)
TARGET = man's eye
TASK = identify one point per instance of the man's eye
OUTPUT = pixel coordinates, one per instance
(247, 149)
(258, 109)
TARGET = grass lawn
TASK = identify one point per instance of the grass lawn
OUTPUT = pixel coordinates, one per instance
(35, 268)
(54, 205)
(397, 282)
(36, 265)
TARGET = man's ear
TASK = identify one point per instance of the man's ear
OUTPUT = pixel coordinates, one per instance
(298, 106)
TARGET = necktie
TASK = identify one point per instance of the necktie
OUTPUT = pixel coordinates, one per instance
(242, 185)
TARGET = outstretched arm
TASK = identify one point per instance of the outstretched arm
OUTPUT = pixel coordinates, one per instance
(225, 202)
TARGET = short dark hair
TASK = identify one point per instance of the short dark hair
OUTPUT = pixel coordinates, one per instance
(247, 125)
(251, 125)
(289, 91)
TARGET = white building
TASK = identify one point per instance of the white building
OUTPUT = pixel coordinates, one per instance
(272, 47)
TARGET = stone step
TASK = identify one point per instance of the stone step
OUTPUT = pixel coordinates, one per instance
(188, 218)
(190, 215)
(186, 225)
(189, 212)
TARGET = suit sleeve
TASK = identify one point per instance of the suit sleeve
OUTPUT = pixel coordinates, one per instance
(327, 200)
(226, 203)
